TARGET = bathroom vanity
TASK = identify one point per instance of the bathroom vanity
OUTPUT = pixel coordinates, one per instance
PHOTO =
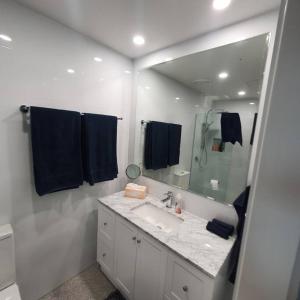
(149, 252)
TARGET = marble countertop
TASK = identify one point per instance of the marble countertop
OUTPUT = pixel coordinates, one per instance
(191, 241)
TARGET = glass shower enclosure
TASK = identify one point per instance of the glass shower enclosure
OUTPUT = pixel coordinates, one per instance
(219, 170)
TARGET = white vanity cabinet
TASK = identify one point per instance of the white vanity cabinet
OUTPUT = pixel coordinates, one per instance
(143, 269)
(139, 262)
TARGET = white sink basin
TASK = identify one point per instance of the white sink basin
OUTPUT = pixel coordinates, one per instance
(157, 217)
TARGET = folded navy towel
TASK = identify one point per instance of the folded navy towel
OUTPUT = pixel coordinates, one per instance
(174, 138)
(229, 228)
(156, 147)
(99, 136)
(217, 229)
(56, 148)
(231, 129)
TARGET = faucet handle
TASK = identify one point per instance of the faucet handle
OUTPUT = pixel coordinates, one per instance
(169, 193)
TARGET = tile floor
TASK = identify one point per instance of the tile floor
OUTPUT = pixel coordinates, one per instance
(91, 284)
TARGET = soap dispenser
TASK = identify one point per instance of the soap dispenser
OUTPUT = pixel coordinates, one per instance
(178, 206)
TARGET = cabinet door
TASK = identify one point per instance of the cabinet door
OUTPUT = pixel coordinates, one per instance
(125, 256)
(105, 255)
(106, 223)
(184, 282)
(150, 269)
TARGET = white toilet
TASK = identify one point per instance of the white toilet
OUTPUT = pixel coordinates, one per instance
(8, 287)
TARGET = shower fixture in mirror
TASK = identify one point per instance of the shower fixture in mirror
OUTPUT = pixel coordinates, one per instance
(196, 118)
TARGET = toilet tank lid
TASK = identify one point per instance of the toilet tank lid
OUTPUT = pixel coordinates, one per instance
(5, 231)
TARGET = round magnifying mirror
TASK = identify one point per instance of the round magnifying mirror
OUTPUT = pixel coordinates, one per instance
(133, 171)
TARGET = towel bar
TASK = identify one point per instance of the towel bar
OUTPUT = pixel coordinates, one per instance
(25, 109)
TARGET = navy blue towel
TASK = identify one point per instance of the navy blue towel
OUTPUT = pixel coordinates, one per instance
(231, 129)
(218, 230)
(99, 136)
(56, 148)
(156, 145)
(174, 138)
(229, 228)
(240, 205)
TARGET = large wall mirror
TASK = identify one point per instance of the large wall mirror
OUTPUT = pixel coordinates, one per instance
(196, 118)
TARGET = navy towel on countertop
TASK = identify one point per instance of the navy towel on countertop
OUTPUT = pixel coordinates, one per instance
(231, 129)
(174, 137)
(99, 139)
(240, 205)
(156, 145)
(217, 229)
(56, 148)
(229, 228)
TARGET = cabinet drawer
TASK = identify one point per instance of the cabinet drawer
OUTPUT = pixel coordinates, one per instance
(105, 257)
(106, 223)
(185, 282)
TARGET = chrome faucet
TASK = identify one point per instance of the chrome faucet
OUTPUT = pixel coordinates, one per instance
(170, 199)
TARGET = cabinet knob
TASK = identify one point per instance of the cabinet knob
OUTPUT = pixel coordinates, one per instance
(134, 238)
(104, 223)
(104, 254)
(138, 241)
(185, 288)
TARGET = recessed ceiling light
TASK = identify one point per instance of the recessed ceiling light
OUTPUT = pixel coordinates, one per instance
(127, 72)
(71, 71)
(241, 93)
(177, 98)
(223, 75)
(5, 38)
(97, 59)
(138, 40)
(251, 103)
(221, 4)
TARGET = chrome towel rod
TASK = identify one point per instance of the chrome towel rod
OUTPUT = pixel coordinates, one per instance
(25, 109)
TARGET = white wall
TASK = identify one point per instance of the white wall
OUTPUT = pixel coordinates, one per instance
(244, 30)
(55, 234)
(271, 236)
(157, 101)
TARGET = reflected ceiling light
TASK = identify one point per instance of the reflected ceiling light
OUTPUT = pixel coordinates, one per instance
(147, 87)
(251, 103)
(71, 71)
(127, 72)
(169, 59)
(223, 75)
(98, 59)
(177, 98)
(5, 38)
(221, 4)
(241, 93)
(138, 40)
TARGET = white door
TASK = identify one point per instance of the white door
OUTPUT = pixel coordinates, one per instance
(150, 269)
(125, 256)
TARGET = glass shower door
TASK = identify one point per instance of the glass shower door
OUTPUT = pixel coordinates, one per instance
(211, 159)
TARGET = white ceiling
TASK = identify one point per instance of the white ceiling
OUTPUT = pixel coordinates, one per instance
(244, 62)
(162, 22)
